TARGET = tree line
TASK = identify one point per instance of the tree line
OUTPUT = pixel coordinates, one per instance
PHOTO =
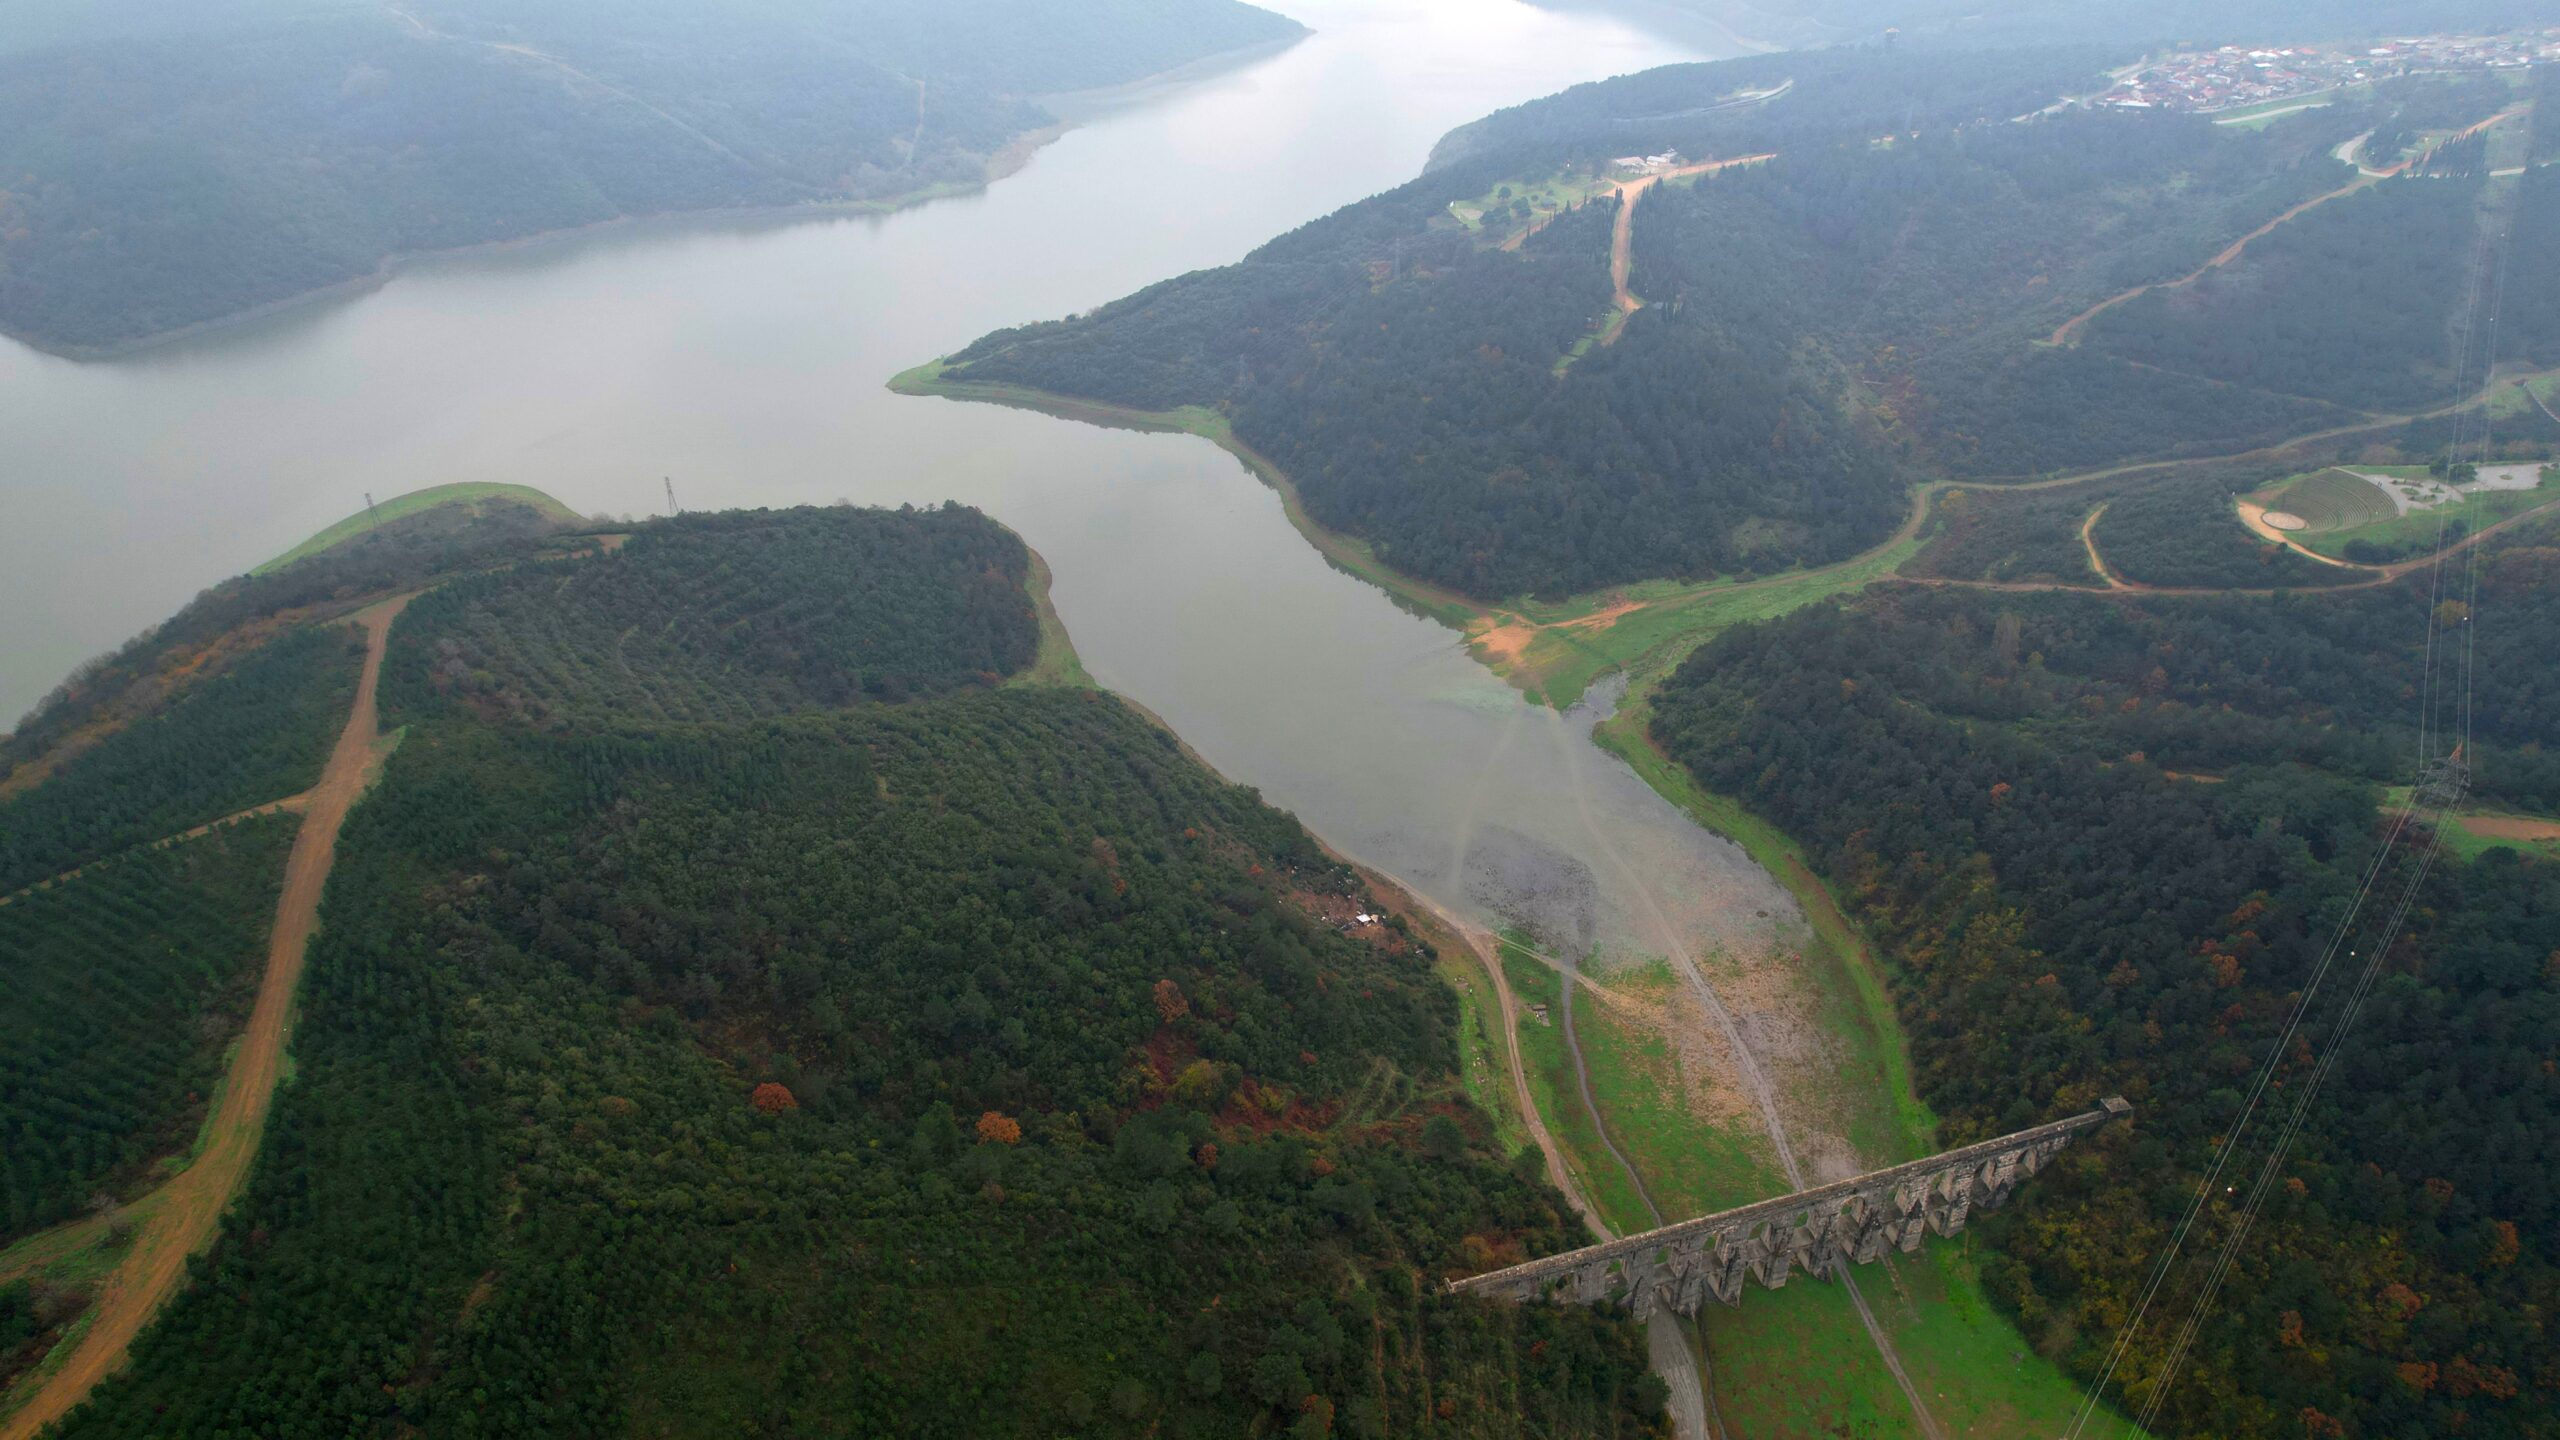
(2102, 843)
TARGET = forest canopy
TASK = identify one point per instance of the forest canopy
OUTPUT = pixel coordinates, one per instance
(729, 616)
(923, 1059)
(1926, 276)
(2103, 841)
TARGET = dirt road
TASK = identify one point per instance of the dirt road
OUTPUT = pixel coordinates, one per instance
(2072, 327)
(189, 1207)
(1622, 234)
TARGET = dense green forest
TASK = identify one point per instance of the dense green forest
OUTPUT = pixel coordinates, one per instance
(977, 1065)
(255, 733)
(2102, 842)
(2391, 267)
(119, 991)
(1818, 329)
(729, 616)
(160, 168)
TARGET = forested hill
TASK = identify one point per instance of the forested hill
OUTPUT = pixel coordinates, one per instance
(1445, 370)
(164, 163)
(972, 1064)
(2102, 842)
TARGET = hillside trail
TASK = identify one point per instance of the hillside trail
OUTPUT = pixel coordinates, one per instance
(1924, 497)
(292, 803)
(2063, 334)
(2119, 586)
(2089, 542)
(1693, 1412)
(188, 1209)
(1622, 232)
(1748, 1069)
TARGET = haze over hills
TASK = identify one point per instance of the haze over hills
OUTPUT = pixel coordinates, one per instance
(167, 164)
(2061, 587)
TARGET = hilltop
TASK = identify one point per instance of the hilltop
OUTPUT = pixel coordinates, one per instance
(755, 989)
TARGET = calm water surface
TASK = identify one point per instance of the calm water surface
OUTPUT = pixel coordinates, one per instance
(746, 361)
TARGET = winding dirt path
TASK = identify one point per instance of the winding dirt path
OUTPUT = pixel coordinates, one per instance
(2377, 575)
(2068, 330)
(1488, 955)
(2065, 333)
(2089, 542)
(189, 1208)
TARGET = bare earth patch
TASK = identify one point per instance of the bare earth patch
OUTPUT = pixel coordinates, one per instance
(2511, 827)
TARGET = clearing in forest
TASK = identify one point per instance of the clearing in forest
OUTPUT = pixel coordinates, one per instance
(2381, 515)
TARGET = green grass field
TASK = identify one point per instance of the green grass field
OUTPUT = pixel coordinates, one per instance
(1057, 663)
(1673, 619)
(416, 502)
(2420, 528)
(1559, 1100)
(2331, 499)
(2341, 507)
(2467, 844)
(1978, 1376)
(2268, 112)
(1689, 1168)
(1483, 1049)
(1547, 194)
(2517, 398)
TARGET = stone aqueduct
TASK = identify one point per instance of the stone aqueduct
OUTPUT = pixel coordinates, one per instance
(1850, 1221)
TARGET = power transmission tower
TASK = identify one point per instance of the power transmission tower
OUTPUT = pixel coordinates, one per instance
(672, 507)
(373, 512)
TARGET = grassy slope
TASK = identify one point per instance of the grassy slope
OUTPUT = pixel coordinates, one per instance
(475, 495)
(1562, 662)
(1058, 663)
(2479, 510)
(2467, 845)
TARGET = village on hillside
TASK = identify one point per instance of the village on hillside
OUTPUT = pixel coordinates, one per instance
(2207, 81)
